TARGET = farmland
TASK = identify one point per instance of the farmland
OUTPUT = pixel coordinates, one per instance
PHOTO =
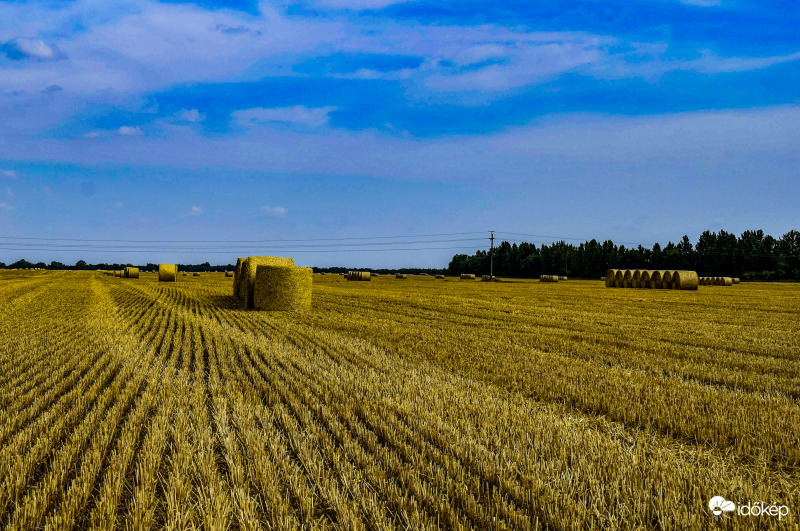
(417, 404)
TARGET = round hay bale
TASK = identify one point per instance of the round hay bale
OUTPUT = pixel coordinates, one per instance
(283, 288)
(487, 278)
(400, 276)
(247, 276)
(619, 278)
(666, 279)
(228, 274)
(685, 280)
(655, 279)
(184, 274)
(735, 280)
(627, 279)
(611, 278)
(131, 272)
(467, 276)
(195, 274)
(644, 278)
(727, 281)
(167, 273)
(718, 281)
(562, 278)
(439, 277)
(636, 278)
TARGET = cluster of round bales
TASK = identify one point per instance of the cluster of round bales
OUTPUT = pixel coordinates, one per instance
(551, 278)
(651, 279)
(358, 275)
(718, 281)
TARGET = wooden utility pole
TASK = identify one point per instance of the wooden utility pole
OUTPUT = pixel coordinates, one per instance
(491, 255)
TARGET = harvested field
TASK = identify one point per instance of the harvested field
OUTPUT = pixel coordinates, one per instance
(394, 405)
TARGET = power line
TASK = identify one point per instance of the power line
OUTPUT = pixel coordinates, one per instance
(47, 246)
(93, 240)
(230, 252)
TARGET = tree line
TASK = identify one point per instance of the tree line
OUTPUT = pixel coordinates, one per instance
(751, 256)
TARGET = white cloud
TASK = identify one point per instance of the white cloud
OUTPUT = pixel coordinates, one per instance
(129, 131)
(298, 115)
(195, 211)
(91, 134)
(191, 115)
(274, 212)
(8, 174)
(20, 48)
(7, 206)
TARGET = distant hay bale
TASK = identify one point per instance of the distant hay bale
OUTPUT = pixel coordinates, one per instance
(195, 274)
(228, 274)
(655, 279)
(727, 281)
(439, 277)
(718, 281)
(358, 275)
(487, 278)
(644, 278)
(283, 288)
(184, 274)
(636, 278)
(247, 276)
(131, 272)
(467, 276)
(167, 273)
(685, 280)
(548, 278)
(666, 279)
(627, 279)
(735, 280)
(562, 278)
(400, 276)
(237, 275)
(611, 278)
(619, 278)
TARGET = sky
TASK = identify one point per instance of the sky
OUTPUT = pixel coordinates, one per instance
(390, 133)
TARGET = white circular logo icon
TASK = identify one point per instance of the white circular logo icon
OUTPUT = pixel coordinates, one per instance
(718, 505)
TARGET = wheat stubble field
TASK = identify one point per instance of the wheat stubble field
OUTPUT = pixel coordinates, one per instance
(416, 404)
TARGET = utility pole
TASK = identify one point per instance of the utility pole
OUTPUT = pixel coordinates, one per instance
(491, 255)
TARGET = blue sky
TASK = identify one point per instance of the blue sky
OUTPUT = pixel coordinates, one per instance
(327, 121)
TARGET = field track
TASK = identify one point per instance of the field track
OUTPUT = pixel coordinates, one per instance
(415, 404)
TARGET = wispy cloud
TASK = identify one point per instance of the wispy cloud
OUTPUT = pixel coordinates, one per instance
(702, 3)
(7, 206)
(195, 211)
(8, 174)
(20, 48)
(191, 115)
(359, 5)
(297, 115)
(127, 130)
(274, 212)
